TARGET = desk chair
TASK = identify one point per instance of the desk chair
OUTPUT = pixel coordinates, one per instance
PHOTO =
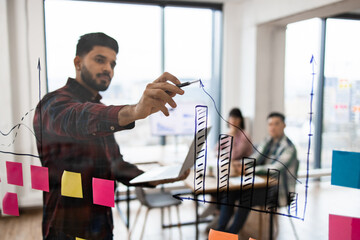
(155, 200)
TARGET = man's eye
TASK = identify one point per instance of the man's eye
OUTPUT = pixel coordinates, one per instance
(99, 60)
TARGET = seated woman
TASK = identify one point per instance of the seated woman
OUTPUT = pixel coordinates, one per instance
(241, 141)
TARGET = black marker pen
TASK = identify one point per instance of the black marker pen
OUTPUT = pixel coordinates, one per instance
(184, 84)
(187, 83)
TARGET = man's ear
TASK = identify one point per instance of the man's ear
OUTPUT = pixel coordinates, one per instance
(77, 62)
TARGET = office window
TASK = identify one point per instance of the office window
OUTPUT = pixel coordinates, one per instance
(302, 42)
(340, 110)
(341, 122)
(138, 60)
(187, 42)
(151, 38)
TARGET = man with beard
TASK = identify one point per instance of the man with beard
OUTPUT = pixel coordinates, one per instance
(75, 133)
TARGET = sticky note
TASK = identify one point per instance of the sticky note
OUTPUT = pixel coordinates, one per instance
(345, 169)
(103, 192)
(14, 173)
(10, 204)
(218, 235)
(341, 227)
(77, 238)
(71, 184)
(39, 178)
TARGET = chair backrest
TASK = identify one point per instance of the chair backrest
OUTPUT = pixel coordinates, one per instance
(141, 195)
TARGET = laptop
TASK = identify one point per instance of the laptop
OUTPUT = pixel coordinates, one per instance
(174, 171)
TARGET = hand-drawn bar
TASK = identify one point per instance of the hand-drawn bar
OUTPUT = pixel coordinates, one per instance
(272, 190)
(223, 167)
(247, 182)
(293, 204)
(201, 118)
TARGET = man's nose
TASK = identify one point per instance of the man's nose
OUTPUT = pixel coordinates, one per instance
(107, 68)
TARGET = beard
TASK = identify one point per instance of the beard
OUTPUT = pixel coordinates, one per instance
(91, 82)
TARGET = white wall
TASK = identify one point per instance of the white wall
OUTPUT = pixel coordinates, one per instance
(254, 52)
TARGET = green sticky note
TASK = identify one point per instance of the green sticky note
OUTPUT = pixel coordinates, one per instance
(71, 184)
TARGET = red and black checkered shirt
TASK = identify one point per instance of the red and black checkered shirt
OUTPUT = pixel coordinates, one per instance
(75, 132)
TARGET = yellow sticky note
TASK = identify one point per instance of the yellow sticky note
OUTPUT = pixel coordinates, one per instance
(71, 184)
(77, 238)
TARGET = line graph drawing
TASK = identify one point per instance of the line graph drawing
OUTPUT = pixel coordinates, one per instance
(254, 147)
(15, 129)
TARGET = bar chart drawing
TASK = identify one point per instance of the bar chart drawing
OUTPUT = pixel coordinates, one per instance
(223, 166)
(272, 190)
(247, 182)
(296, 202)
(201, 119)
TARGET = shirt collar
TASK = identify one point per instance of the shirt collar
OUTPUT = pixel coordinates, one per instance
(81, 91)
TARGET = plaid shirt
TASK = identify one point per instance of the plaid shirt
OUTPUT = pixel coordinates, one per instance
(75, 132)
(283, 154)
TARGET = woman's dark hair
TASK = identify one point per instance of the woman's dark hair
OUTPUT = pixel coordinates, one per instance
(90, 40)
(236, 112)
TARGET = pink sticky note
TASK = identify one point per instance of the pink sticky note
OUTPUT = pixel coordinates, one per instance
(39, 178)
(341, 227)
(14, 173)
(103, 192)
(10, 204)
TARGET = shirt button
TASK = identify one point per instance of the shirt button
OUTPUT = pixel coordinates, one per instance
(112, 128)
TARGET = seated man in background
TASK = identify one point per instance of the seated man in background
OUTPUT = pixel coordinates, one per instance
(276, 151)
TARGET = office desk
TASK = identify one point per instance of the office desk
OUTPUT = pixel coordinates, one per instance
(212, 188)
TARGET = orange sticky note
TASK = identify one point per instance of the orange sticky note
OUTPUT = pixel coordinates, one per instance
(71, 184)
(10, 204)
(217, 235)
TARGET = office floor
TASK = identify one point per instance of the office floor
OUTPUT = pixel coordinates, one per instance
(323, 199)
